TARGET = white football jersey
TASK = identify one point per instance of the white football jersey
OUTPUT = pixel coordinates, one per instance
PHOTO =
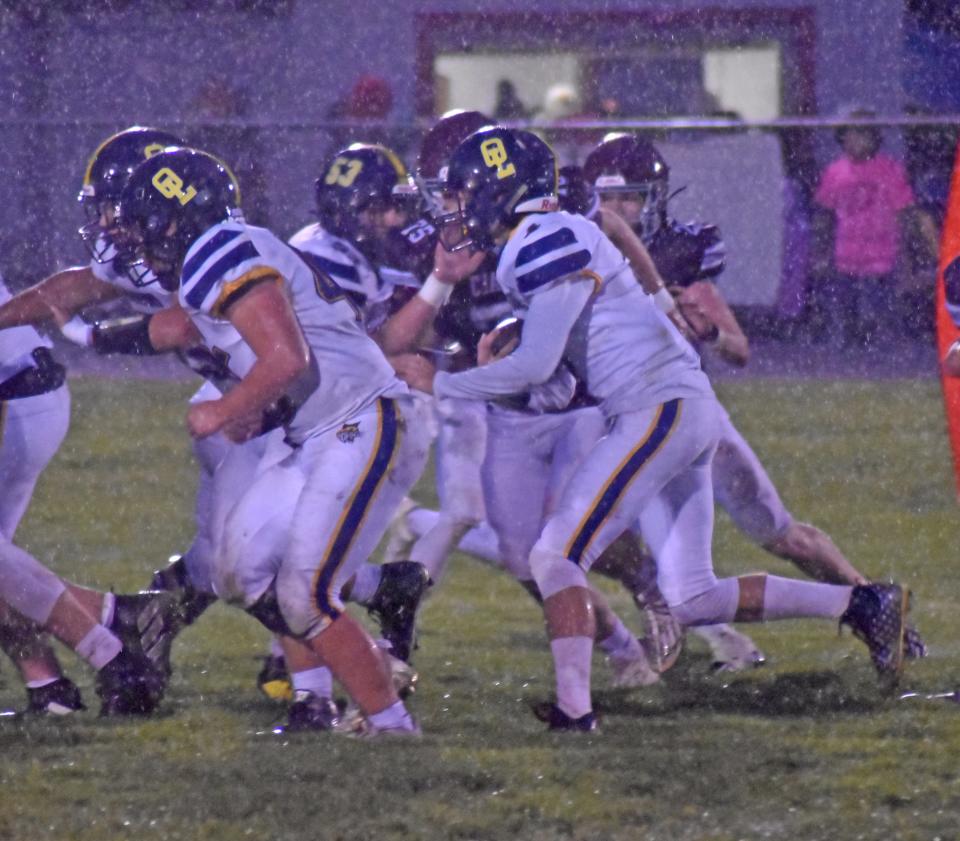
(625, 351)
(17, 342)
(349, 269)
(353, 372)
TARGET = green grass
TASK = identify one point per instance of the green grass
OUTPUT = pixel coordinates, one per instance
(805, 748)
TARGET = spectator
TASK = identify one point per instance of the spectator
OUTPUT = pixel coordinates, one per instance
(509, 106)
(862, 200)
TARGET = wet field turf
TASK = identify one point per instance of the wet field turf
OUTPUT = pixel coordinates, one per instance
(804, 748)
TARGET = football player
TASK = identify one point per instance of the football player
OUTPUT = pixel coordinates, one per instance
(34, 416)
(305, 363)
(533, 443)
(581, 303)
(632, 179)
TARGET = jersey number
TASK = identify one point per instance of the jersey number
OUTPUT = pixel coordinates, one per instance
(326, 287)
(171, 185)
(343, 172)
(495, 156)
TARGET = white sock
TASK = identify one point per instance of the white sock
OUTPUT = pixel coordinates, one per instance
(98, 647)
(394, 717)
(621, 641)
(318, 680)
(788, 598)
(108, 609)
(365, 583)
(40, 682)
(571, 659)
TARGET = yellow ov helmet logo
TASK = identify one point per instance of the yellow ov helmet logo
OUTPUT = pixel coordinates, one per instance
(495, 156)
(171, 185)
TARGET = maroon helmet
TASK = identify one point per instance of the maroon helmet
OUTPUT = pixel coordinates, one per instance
(438, 143)
(626, 163)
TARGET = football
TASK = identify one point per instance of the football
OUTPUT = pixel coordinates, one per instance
(505, 337)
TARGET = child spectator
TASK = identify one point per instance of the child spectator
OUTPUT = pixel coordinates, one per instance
(862, 198)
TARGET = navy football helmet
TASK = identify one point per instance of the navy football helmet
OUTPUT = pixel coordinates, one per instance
(498, 175)
(628, 164)
(107, 172)
(169, 201)
(359, 182)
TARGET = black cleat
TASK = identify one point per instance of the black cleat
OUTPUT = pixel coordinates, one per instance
(913, 645)
(61, 697)
(274, 679)
(130, 684)
(146, 623)
(557, 719)
(310, 712)
(175, 579)
(395, 604)
(877, 615)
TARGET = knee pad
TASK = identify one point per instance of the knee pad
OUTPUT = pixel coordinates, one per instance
(553, 572)
(716, 605)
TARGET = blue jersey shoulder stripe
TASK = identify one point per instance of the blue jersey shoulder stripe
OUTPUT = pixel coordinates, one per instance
(951, 282)
(212, 245)
(339, 271)
(233, 258)
(565, 265)
(544, 245)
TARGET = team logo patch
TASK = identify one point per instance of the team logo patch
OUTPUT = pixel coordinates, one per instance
(348, 433)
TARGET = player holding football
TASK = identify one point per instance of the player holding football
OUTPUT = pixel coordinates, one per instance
(581, 303)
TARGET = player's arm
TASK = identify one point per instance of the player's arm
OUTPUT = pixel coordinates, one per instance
(644, 269)
(547, 326)
(632, 247)
(266, 321)
(406, 329)
(68, 291)
(712, 320)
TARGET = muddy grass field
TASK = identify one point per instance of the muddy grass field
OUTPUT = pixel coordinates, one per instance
(804, 748)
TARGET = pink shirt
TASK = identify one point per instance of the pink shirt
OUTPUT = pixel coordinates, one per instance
(866, 197)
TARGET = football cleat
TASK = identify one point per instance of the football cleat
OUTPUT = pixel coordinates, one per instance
(174, 578)
(877, 616)
(61, 697)
(395, 604)
(400, 537)
(402, 675)
(146, 623)
(274, 679)
(731, 650)
(663, 635)
(913, 645)
(130, 684)
(309, 711)
(557, 719)
(633, 670)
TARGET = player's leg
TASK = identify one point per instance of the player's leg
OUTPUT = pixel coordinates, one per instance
(122, 637)
(627, 467)
(677, 525)
(352, 488)
(461, 445)
(31, 431)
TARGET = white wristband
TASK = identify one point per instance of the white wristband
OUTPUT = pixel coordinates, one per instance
(435, 292)
(78, 331)
(664, 300)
